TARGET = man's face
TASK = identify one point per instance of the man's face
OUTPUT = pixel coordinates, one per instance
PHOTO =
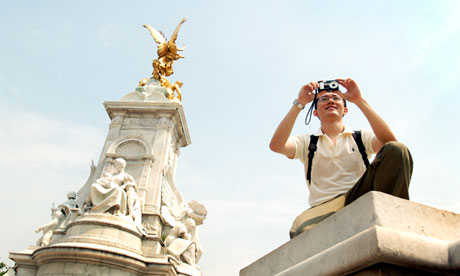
(330, 106)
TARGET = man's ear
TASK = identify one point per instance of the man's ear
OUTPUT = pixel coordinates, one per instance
(345, 110)
(315, 112)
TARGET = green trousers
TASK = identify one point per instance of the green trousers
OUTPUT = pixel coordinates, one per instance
(390, 172)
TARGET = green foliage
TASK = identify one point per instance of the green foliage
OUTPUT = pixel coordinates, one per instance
(3, 268)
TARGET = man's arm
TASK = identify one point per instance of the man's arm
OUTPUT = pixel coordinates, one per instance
(382, 131)
(280, 142)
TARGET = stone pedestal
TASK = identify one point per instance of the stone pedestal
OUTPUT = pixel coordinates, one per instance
(378, 234)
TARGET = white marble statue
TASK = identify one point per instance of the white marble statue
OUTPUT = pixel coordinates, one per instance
(134, 203)
(116, 194)
(57, 218)
(67, 206)
(179, 243)
(182, 241)
(107, 193)
(71, 201)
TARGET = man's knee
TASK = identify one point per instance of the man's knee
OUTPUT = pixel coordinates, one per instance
(395, 147)
(394, 152)
(397, 152)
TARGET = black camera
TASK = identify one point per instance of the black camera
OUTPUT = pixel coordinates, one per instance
(329, 85)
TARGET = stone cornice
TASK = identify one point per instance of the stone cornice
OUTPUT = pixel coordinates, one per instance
(172, 108)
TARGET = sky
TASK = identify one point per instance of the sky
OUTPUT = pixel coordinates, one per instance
(244, 64)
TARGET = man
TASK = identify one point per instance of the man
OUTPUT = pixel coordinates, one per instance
(338, 170)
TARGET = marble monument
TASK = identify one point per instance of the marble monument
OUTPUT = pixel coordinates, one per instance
(129, 218)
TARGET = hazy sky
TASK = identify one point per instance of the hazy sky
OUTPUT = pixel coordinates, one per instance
(245, 62)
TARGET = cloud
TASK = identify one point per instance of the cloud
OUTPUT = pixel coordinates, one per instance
(42, 158)
(31, 138)
(105, 36)
(436, 55)
(242, 231)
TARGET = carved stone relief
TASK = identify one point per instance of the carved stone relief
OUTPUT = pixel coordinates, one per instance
(130, 148)
(140, 122)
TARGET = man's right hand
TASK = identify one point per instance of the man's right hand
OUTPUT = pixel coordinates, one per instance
(306, 93)
(280, 141)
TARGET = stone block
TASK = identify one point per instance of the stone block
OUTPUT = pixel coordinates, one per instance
(73, 268)
(104, 230)
(91, 230)
(101, 270)
(51, 269)
(454, 254)
(376, 228)
(151, 246)
(25, 271)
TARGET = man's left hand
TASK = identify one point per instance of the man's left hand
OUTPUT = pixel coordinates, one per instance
(353, 93)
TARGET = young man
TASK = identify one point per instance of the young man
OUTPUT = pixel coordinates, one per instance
(337, 167)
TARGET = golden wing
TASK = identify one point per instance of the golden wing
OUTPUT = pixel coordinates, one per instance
(176, 31)
(158, 36)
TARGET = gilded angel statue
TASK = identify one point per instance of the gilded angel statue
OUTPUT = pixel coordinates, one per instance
(167, 52)
(172, 89)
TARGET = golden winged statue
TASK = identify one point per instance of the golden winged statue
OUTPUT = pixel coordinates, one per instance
(167, 54)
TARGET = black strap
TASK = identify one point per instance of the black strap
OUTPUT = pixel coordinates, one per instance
(357, 137)
(312, 108)
(312, 148)
(311, 153)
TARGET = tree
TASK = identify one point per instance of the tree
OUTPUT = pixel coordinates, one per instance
(3, 268)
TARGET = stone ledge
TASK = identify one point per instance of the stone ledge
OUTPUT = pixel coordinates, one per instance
(44, 260)
(376, 245)
(377, 228)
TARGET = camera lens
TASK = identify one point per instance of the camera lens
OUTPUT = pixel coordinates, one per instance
(333, 85)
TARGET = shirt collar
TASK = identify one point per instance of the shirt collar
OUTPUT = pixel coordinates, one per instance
(346, 130)
(319, 132)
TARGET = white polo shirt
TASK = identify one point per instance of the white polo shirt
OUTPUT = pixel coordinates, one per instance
(336, 168)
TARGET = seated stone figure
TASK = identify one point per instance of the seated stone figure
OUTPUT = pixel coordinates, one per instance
(180, 242)
(67, 206)
(71, 201)
(107, 194)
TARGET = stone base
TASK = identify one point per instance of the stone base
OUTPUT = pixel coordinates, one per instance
(98, 244)
(102, 229)
(377, 233)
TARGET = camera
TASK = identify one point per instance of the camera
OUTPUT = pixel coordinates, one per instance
(329, 85)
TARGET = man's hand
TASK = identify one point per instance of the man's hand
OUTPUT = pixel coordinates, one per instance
(353, 93)
(280, 141)
(306, 93)
(383, 132)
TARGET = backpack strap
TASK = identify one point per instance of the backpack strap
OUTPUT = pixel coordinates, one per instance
(357, 137)
(311, 152)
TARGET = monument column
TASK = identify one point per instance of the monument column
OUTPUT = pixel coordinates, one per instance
(148, 134)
